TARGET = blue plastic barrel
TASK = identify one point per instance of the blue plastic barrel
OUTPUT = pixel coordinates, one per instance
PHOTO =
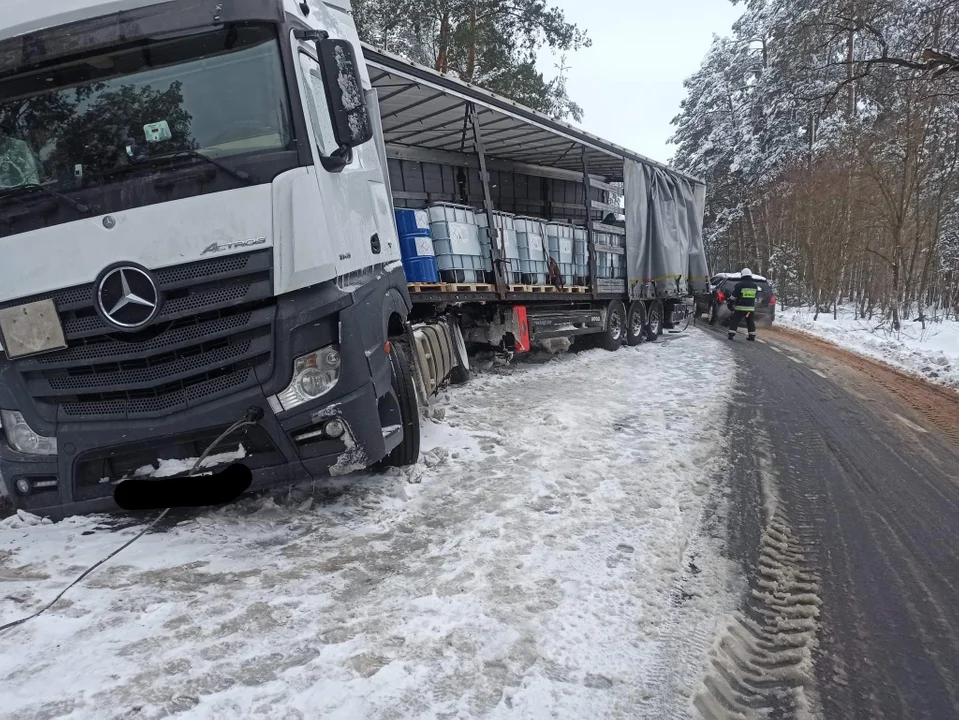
(416, 246)
(412, 222)
(421, 270)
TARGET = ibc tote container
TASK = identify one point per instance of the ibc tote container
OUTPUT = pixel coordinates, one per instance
(531, 240)
(459, 254)
(580, 256)
(506, 226)
(610, 239)
(559, 237)
(416, 246)
(610, 266)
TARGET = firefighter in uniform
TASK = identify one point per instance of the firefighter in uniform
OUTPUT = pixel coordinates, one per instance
(743, 304)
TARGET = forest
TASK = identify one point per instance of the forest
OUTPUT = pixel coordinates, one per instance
(826, 131)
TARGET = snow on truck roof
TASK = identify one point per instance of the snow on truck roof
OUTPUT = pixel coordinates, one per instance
(424, 113)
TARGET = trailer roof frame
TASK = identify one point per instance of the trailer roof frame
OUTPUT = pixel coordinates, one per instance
(434, 91)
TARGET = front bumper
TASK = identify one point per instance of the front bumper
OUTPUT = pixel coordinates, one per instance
(93, 459)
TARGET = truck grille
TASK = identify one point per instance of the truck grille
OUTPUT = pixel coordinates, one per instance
(213, 335)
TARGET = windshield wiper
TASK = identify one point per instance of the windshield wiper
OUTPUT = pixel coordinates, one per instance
(160, 162)
(36, 187)
(235, 172)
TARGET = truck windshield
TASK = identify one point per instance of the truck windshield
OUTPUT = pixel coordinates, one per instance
(78, 123)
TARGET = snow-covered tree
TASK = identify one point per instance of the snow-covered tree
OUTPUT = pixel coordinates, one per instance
(828, 132)
(491, 43)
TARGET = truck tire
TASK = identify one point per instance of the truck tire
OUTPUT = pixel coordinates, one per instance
(636, 323)
(408, 451)
(654, 323)
(461, 374)
(612, 337)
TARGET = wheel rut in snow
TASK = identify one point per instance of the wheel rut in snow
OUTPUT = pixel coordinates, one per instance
(871, 506)
(762, 664)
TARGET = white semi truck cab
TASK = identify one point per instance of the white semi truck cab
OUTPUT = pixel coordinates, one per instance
(195, 222)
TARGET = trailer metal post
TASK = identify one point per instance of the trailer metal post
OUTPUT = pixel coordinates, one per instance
(499, 262)
(590, 237)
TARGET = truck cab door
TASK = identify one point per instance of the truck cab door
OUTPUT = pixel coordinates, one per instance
(356, 207)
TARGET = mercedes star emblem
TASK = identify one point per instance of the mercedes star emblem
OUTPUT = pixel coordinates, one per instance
(128, 297)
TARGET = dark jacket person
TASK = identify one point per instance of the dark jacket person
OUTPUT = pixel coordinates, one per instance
(743, 302)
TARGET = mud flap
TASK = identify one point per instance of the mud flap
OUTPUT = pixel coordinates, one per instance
(520, 329)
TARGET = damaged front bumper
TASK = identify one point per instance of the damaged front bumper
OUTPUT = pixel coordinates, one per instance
(291, 448)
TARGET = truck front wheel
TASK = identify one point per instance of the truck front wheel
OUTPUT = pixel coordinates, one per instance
(408, 451)
(612, 337)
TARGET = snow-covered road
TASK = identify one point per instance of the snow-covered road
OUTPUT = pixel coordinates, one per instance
(556, 554)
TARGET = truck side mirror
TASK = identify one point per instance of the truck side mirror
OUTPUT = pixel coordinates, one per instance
(352, 125)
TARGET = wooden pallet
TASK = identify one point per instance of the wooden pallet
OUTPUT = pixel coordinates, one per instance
(531, 288)
(487, 288)
(468, 287)
(426, 287)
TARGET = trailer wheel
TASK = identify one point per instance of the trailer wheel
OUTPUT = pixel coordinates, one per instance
(408, 451)
(461, 374)
(612, 337)
(713, 315)
(655, 323)
(635, 323)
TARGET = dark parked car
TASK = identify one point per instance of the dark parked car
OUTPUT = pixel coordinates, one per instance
(717, 312)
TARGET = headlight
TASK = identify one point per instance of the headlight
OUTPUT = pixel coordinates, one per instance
(314, 375)
(21, 437)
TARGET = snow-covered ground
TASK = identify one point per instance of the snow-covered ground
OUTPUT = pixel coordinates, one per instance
(932, 353)
(556, 553)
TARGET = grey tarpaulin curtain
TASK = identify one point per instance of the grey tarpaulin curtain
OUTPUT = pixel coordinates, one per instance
(664, 232)
(698, 267)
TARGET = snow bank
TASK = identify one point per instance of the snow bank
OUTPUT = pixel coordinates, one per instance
(546, 558)
(932, 353)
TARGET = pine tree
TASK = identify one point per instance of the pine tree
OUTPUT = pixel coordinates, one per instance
(492, 43)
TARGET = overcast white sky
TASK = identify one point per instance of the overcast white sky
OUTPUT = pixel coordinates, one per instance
(630, 82)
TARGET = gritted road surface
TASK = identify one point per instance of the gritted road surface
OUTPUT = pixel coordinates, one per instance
(844, 481)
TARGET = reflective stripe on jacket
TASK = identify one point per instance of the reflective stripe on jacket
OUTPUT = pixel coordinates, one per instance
(744, 295)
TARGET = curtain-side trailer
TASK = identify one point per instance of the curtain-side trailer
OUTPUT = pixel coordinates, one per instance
(448, 142)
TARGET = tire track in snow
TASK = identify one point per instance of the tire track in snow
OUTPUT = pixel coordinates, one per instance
(762, 664)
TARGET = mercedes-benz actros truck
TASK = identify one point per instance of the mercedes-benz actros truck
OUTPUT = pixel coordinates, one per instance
(195, 221)
(199, 255)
